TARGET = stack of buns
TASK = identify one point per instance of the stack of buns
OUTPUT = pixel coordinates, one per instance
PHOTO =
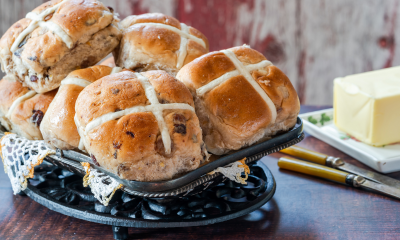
(152, 111)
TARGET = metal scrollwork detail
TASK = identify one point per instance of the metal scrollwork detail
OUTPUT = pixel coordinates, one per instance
(209, 199)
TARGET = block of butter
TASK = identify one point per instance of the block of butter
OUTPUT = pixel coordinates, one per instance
(367, 106)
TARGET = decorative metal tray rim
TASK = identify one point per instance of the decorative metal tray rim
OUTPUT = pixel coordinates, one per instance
(186, 183)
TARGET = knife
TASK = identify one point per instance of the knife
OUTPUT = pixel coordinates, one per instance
(338, 163)
(336, 175)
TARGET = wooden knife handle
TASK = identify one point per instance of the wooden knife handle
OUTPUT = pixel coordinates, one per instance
(312, 169)
(303, 153)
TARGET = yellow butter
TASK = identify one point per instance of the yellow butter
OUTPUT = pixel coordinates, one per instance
(367, 106)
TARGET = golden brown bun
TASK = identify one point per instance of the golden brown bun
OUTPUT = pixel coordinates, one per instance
(43, 58)
(108, 62)
(58, 126)
(145, 47)
(27, 116)
(233, 114)
(131, 146)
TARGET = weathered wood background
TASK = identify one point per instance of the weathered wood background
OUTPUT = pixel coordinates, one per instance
(312, 41)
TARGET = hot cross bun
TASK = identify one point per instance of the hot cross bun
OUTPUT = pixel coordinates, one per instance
(240, 98)
(58, 125)
(140, 126)
(155, 41)
(56, 38)
(22, 110)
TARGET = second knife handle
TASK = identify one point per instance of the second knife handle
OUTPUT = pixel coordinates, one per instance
(303, 153)
(312, 169)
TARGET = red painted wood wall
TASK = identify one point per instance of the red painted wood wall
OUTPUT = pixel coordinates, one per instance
(312, 41)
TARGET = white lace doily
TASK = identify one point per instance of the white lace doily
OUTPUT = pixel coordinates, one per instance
(102, 186)
(234, 171)
(20, 156)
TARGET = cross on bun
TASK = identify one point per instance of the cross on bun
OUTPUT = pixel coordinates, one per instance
(140, 126)
(155, 41)
(240, 98)
(58, 125)
(56, 38)
(22, 110)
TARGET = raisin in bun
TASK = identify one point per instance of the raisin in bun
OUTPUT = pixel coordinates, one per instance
(240, 98)
(140, 126)
(155, 41)
(58, 125)
(56, 38)
(22, 110)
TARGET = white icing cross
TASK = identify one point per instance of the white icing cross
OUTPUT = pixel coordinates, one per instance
(38, 21)
(155, 107)
(245, 71)
(82, 82)
(152, 97)
(19, 100)
(76, 81)
(185, 36)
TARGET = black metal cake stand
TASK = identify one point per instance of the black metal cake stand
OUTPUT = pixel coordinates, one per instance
(62, 191)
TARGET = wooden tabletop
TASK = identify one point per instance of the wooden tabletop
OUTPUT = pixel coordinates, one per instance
(303, 207)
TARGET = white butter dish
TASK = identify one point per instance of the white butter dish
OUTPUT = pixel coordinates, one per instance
(385, 159)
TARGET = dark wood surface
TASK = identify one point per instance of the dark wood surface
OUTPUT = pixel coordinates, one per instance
(303, 207)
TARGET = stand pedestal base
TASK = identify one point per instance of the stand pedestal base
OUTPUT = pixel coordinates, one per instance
(63, 192)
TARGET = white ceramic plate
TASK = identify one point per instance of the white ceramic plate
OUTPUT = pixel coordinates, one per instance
(320, 124)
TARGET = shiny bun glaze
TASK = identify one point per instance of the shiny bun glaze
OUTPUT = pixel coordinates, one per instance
(71, 34)
(22, 110)
(154, 41)
(58, 125)
(133, 145)
(235, 113)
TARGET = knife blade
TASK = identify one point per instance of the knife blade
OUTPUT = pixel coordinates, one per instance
(382, 188)
(337, 176)
(338, 163)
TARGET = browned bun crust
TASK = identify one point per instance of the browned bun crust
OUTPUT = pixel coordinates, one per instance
(108, 62)
(145, 47)
(9, 91)
(43, 59)
(233, 114)
(131, 146)
(91, 74)
(58, 126)
(27, 116)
